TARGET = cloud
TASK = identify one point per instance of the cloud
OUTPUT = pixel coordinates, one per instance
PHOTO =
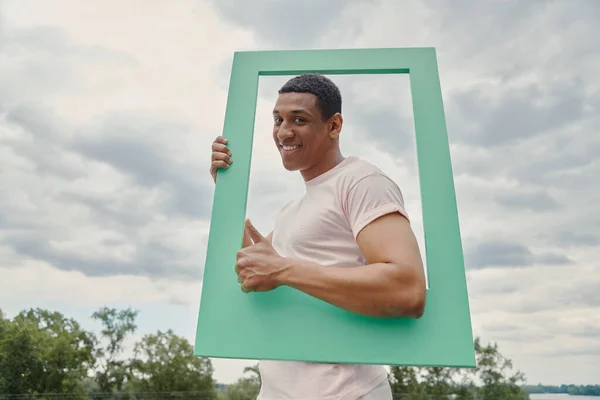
(499, 254)
(532, 200)
(504, 253)
(570, 238)
(29, 284)
(290, 24)
(499, 114)
(134, 143)
(112, 214)
(43, 62)
(104, 178)
(529, 332)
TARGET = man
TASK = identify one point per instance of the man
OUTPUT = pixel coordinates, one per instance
(347, 241)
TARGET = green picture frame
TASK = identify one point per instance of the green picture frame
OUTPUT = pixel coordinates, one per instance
(286, 324)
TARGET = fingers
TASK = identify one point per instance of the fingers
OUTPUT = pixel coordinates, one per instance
(243, 278)
(244, 284)
(220, 151)
(220, 157)
(239, 263)
(220, 148)
(246, 289)
(220, 139)
(254, 234)
(220, 160)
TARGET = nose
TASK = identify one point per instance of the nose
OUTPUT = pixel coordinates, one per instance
(284, 133)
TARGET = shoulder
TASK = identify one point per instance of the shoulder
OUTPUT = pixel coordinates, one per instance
(370, 194)
(359, 173)
(357, 168)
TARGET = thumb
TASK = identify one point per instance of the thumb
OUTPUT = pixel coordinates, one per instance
(254, 233)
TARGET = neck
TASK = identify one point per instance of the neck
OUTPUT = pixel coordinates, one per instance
(327, 162)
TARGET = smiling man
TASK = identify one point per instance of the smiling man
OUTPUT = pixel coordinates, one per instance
(347, 241)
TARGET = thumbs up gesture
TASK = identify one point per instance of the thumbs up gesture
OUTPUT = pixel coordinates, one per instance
(259, 265)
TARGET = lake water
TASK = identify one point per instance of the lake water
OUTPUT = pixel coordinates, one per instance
(550, 396)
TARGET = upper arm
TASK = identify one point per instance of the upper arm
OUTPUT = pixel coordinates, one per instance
(390, 239)
(380, 223)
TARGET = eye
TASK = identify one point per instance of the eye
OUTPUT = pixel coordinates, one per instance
(299, 120)
(277, 121)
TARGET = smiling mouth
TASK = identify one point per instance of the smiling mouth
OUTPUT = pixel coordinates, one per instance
(289, 148)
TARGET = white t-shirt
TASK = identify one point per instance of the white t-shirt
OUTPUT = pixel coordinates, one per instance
(322, 227)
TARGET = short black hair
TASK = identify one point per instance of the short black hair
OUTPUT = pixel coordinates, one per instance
(329, 98)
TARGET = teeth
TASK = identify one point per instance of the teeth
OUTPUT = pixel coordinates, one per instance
(288, 148)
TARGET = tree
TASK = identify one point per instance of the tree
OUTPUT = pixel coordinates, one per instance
(17, 358)
(247, 387)
(439, 381)
(580, 390)
(43, 352)
(164, 362)
(404, 380)
(112, 372)
(493, 372)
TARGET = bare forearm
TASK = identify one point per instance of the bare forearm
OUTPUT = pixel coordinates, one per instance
(378, 290)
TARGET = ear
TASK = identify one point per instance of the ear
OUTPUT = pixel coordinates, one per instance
(335, 126)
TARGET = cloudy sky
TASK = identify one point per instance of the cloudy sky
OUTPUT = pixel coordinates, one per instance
(108, 110)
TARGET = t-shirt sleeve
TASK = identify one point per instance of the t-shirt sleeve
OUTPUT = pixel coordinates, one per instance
(370, 198)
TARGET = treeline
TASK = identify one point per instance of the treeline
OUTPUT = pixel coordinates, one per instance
(580, 390)
(43, 352)
(493, 379)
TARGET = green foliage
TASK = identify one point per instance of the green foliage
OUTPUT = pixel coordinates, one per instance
(579, 390)
(164, 362)
(246, 388)
(112, 373)
(490, 380)
(43, 352)
(493, 370)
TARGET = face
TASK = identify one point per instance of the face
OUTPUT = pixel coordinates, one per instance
(303, 138)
